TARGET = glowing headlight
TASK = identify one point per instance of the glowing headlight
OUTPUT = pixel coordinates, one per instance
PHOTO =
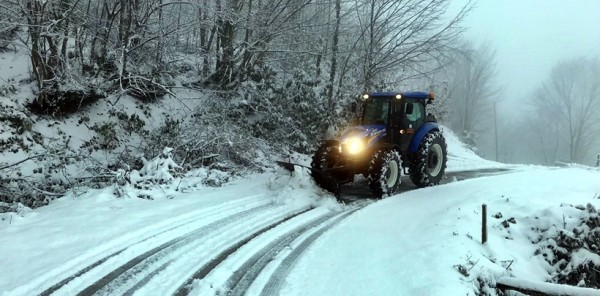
(354, 145)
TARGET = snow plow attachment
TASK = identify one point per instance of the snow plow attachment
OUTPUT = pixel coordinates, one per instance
(323, 179)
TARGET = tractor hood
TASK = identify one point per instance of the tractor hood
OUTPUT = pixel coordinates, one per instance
(371, 133)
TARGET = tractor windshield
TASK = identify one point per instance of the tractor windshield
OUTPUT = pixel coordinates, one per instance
(376, 111)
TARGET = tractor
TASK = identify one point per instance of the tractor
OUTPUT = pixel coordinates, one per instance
(394, 134)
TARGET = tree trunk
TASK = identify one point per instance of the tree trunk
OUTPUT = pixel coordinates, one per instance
(40, 68)
(334, 53)
(224, 74)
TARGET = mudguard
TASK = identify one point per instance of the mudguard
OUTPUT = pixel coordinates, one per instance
(418, 138)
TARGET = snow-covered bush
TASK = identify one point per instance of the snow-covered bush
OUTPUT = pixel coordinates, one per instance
(8, 32)
(289, 111)
(205, 138)
(8, 210)
(160, 170)
(573, 255)
(7, 89)
(36, 180)
(60, 99)
(16, 130)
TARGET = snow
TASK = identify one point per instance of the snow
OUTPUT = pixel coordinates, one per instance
(413, 243)
(409, 244)
(549, 289)
(461, 158)
(14, 66)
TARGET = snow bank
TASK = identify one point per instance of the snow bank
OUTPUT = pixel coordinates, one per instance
(299, 187)
(461, 158)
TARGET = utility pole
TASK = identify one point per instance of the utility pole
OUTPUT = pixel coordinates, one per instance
(496, 130)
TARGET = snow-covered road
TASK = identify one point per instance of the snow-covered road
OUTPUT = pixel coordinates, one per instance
(227, 246)
(237, 238)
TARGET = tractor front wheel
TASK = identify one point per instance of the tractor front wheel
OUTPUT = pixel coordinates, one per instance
(384, 172)
(429, 162)
(326, 157)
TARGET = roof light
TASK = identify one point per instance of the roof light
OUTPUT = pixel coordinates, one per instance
(365, 96)
(398, 96)
(432, 96)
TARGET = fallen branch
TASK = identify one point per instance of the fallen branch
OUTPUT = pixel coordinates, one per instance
(543, 289)
(22, 161)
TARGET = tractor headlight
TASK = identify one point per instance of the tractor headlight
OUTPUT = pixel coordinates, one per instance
(354, 145)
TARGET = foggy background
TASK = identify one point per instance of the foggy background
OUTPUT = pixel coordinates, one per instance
(530, 40)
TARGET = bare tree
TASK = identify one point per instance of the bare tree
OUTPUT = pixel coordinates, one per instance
(472, 89)
(399, 36)
(570, 97)
(334, 55)
(9, 25)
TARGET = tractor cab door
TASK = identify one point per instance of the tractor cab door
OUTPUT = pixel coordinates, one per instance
(413, 117)
(396, 118)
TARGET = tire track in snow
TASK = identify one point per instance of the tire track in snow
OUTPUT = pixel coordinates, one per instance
(217, 209)
(129, 281)
(170, 246)
(239, 282)
(275, 282)
(219, 258)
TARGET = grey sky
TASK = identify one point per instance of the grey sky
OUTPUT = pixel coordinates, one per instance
(531, 36)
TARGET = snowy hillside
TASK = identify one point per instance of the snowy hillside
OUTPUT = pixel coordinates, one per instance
(462, 158)
(419, 242)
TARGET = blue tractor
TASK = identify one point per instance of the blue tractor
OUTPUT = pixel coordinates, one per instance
(394, 134)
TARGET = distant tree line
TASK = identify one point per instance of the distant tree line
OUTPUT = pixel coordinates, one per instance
(565, 122)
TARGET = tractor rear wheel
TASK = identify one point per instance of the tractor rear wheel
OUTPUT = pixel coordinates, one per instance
(429, 162)
(384, 172)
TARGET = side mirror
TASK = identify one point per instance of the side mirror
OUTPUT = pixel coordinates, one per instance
(353, 107)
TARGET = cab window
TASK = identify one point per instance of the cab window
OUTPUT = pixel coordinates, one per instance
(376, 112)
(414, 112)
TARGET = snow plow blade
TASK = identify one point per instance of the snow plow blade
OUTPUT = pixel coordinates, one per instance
(323, 179)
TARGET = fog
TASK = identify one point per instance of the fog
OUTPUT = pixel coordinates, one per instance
(531, 38)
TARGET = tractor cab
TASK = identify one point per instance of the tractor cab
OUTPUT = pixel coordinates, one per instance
(400, 114)
(393, 118)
